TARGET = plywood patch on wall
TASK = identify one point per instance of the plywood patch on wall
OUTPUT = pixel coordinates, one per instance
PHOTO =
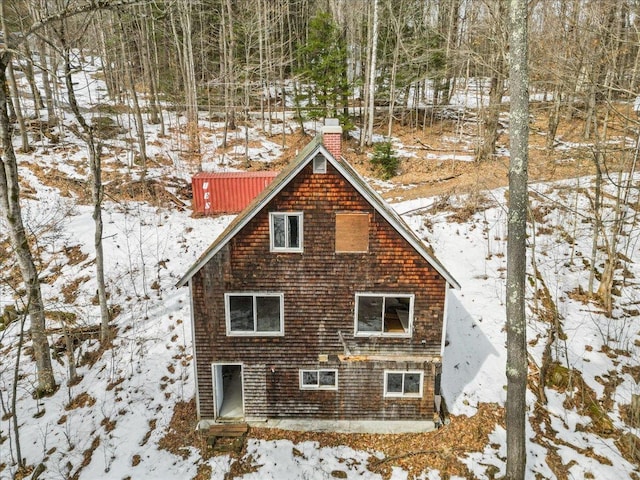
(352, 232)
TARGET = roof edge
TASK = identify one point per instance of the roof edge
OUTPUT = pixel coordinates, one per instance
(282, 180)
(353, 177)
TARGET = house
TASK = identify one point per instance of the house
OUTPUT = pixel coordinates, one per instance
(318, 302)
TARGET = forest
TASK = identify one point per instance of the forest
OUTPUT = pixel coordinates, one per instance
(108, 106)
(369, 63)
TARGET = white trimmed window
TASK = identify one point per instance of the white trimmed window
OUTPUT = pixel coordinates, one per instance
(398, 383)
(319, 379)
(285, 231)
(384, 314)
(319, 164)
(255, 314)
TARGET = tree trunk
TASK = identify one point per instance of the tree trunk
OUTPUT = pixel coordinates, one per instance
(28, 71)
(491, 115)
(554, 118)
(95, 169)
(43, 66)
(490, 120)
(12, 214)
(17, 109)
(371, 81)
(394, 71)
(137, 113)
(15, 94)
(597, 200)
(148, 68)
(516, 405)
(46, 82)
(14, 392)
(228, 45)
(155, 81)
(184, 51)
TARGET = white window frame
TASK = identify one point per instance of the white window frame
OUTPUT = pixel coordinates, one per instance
(254, 333)
(388, 394)
(319, 164)
(382, 333)
(272, 246)
(318, 386)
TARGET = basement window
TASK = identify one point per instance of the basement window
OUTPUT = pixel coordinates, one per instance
(383, 314)
(259, 314)
(285, 231)
(318, 379)
(352, 232)
(403, 384)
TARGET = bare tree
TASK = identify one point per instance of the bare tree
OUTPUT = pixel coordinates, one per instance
(12, 214)
(13, 86)
(94, 148)
(489, 120)
(516, 242)
(367, 136)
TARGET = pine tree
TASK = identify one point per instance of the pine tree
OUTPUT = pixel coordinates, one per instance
(384, 160)
(323, 67)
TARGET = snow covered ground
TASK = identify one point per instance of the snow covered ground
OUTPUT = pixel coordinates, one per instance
(109, 425)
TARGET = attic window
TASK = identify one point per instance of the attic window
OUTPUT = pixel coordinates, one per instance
(383, 314)
(352, 232)
(403, 383)
(319, 164)
(285, 231)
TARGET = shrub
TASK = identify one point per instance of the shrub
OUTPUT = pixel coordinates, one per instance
(384, 160)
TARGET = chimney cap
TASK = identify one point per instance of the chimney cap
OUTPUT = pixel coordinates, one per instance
(331, 125)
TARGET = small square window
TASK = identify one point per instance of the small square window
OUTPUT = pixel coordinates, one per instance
(319, 379)
(403, 384)
(285, 231)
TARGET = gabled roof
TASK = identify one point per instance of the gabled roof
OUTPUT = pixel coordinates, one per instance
(301, 160)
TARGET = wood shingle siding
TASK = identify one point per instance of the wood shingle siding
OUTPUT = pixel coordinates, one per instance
(319, 288)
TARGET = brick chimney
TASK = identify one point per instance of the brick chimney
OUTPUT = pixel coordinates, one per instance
(332, 137)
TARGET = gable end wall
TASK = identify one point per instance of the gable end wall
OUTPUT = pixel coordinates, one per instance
(319, 288)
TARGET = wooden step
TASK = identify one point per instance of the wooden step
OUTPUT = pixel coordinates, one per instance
(227, 437)
(228, 430)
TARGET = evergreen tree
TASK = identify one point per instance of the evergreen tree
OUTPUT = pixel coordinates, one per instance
(323, 68)
(384, 160)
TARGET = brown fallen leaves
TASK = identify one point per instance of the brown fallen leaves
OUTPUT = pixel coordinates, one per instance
(440, 450)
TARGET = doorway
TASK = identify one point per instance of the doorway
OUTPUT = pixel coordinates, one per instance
(228, 391)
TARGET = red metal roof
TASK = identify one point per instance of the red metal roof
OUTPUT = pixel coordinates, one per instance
(227, 192)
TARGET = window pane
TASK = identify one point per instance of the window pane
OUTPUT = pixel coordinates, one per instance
(319, 164)
(278, 231)
(241, 314)
(412, 383)
(394, 382)
(396, 314)
(310, 378)
(370, 314)
(268, 314)
(294, 231)
(327, 378)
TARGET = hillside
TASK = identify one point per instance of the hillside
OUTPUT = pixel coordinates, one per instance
(131, 413)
